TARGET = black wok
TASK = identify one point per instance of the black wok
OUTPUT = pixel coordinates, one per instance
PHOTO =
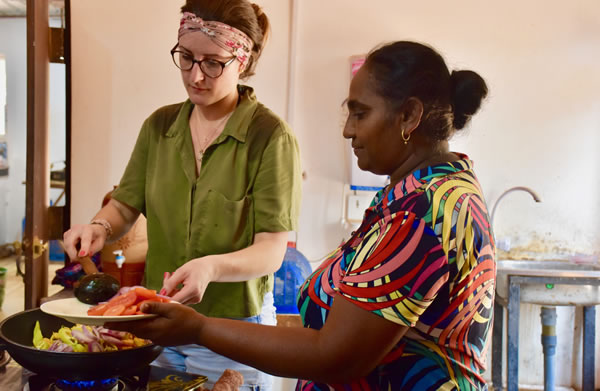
(16, 334)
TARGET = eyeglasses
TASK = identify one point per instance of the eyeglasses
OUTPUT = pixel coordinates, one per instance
(210, 67)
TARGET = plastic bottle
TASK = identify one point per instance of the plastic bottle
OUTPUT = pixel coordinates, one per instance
(294, 270)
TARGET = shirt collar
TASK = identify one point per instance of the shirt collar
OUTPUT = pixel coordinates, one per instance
(237, 125)
(421, 177)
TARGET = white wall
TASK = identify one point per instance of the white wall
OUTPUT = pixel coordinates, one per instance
(122, 71)
(539, 127)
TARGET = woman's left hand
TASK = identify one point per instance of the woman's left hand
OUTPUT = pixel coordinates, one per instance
(194, 276)
(176, 324)
(264, 256)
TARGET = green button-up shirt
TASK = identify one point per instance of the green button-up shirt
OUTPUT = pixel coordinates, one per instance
(249, 183)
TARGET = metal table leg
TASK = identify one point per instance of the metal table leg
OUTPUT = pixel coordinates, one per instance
(512, 349)
(589, 348)
(497, 344)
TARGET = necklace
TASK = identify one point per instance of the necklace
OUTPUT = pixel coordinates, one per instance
(208, 139)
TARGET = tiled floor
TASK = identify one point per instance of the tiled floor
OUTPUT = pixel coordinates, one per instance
(14, 295)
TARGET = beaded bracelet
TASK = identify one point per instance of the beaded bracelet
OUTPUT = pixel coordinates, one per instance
(105, 224)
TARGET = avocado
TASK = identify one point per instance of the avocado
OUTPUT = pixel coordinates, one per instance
(97, 287)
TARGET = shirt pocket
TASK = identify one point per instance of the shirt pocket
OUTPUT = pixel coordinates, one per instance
(224, 225)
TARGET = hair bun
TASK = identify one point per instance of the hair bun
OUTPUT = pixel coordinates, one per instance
(468, 90)
(263, 20)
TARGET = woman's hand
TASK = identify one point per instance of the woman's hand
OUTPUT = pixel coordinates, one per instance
(92, 237)
(195, 276)
(176, 324)
(89, 237)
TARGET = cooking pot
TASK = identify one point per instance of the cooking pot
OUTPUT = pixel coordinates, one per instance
(16, 336)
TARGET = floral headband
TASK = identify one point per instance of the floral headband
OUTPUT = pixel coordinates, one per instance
(227, 37)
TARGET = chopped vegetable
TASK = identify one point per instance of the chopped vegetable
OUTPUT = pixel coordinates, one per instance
(127, 301)
(82, 338)
(38, 339)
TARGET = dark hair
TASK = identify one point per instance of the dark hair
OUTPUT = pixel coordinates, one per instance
(241, 14)
(403, 69)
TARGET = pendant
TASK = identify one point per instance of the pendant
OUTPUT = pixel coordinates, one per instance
(200, 156)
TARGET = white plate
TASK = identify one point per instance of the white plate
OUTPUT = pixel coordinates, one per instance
(75, 311)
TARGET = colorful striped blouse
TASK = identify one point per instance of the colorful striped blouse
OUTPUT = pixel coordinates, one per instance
(423, 257)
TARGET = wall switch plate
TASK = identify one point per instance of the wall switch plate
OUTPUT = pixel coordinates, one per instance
(357, 204)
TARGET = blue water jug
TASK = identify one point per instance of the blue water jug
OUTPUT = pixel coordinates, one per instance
(288, 279)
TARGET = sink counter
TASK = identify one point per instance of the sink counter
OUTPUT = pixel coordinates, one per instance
(557, 282)
(545, 283)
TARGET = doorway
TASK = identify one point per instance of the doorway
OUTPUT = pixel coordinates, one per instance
(14, 140)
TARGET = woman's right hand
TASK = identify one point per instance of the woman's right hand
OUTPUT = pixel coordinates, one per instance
(84, 240)
(176, 324)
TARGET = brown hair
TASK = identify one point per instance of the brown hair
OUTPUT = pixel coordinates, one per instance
(241, 14)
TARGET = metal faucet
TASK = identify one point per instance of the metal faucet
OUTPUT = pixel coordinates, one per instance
(535, 196)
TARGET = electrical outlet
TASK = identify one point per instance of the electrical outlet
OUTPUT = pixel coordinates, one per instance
(356, 206)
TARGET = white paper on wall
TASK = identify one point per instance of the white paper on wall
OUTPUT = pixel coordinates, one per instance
(359, 179)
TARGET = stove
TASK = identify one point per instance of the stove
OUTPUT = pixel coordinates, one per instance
(151, 378)
(34, 382)
(41, 383)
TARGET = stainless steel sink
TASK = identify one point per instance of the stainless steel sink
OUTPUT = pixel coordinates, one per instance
(578, 293)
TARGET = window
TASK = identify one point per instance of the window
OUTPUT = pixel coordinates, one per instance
(2, 95)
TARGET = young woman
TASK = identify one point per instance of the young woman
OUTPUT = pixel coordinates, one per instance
(218, 179)
(406, 303)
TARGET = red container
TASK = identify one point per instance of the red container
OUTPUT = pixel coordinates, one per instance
(129, 274)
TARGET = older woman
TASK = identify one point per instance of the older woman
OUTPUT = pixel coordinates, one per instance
(406, 302)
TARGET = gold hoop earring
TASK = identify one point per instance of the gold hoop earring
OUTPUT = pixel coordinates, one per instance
(404, 138)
